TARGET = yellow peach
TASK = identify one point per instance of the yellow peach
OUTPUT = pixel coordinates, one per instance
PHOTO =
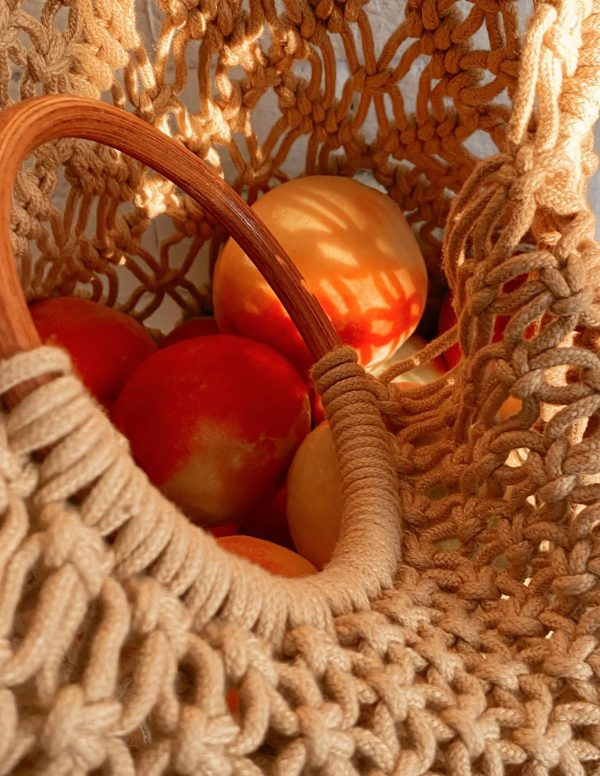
(357, 254)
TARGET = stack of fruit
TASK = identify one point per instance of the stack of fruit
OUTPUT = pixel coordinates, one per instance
(219, 414)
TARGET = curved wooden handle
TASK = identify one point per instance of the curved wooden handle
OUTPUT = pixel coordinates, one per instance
(28, 124)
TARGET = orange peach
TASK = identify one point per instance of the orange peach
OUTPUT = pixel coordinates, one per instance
(105, 345)
(314, 497)
(357, 254)
(195, 327)
(214, 421)
(278, 560)
(510, 407)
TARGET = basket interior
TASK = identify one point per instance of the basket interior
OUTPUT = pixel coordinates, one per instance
(406, 101)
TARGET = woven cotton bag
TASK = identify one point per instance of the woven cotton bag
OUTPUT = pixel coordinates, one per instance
(456, 630)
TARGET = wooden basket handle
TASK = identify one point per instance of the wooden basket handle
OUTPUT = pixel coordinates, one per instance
(25, 126)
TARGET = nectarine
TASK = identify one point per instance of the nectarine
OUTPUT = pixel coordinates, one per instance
(105, 345)
(314, 497)
(195, 327)
(278, 560)
(214, 421)
(357, 254)
(268, 521)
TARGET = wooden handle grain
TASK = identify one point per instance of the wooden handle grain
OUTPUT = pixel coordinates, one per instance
(28, 124)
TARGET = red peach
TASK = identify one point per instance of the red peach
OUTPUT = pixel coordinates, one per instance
(357, 254)
(195, 327)
(105, 345)
(269, 521)
(278, 560)
(214, 421)
(227, 529)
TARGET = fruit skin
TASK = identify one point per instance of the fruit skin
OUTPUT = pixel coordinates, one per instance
(278, 560)
(268, 521)
(314, 497)
(226, 529)
(105, 345)
(357, 254)
(214, 422)
(510, 407)
(195, 327)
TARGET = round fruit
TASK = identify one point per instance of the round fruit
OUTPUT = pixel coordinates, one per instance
(278, 560)
(105, 345)
(268, 521)
(214, 421)
(314, 497)
(510, 407)
(357, 254)
(195, 327)
(226, 529)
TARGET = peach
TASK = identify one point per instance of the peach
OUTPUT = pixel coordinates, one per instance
(105, 345)
(268, 521)
(195, 327)
(214, 421)
(510, 407)
(357, 254)
(227, 529)
(278, 560)
(314, 497)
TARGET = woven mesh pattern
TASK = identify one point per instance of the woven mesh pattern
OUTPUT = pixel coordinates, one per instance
(121, 626)
(259, 90)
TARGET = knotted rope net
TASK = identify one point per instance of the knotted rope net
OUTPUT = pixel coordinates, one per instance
(473, 647)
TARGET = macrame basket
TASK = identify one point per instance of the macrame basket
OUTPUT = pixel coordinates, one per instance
(457, 628)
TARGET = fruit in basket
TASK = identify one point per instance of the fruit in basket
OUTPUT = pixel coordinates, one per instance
(214, 421)
(314, 497)
(268, 521)
(226, 529)
(195, 327)
(314, 486)
(357, 254)
(278, 560)
(105, 345)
